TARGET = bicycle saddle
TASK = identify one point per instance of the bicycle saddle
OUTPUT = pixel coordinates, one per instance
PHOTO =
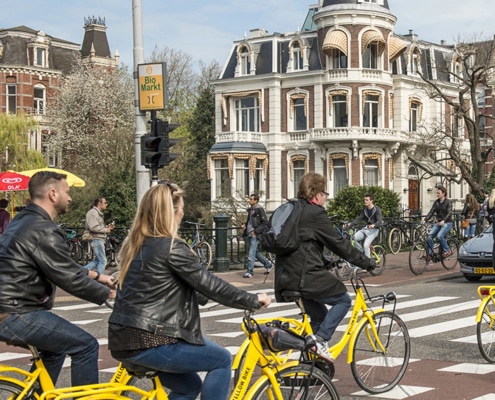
(138, 370)
(290, 295)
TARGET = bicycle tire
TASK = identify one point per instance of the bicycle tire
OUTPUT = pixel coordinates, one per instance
(299, 382)
(394, 240)
(380, 257)
(417, 258)
(451, 262)
(75, 251)
(374, 371)
(7, 389)
(485, 331)
(203, 250)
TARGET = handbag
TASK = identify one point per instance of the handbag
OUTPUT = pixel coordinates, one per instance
(278, 339)
(87, 236)
(467, 221)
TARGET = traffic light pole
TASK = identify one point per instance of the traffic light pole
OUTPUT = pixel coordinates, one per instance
(154, 132)
(142, 174)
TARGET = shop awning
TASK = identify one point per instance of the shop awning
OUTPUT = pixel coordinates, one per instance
(395, 48)
(336, 39)
(433, 168)
(370, 37)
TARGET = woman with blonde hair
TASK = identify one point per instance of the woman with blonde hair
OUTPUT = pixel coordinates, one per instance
(155, 322)
(470, 212)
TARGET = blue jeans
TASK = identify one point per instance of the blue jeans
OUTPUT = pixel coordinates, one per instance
(469, 231)
(323, 321)
(367, 235)
(100, 261)
(55, 338)
(439, 232)
(177, 365)
(254, 254)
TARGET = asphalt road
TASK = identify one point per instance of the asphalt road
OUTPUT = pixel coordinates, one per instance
(437, 307)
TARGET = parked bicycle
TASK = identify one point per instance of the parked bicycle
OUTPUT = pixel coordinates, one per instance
(485, 323)
(404, 231)
(377, 339)
(200, 245)
(419, 258)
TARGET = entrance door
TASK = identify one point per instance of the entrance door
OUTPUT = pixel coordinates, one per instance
(413, 194)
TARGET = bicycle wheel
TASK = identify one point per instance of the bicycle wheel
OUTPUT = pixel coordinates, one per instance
(75, 250)
(417, 258)
(394, 240)
(381, 261)
(10, 390)
(203, 250)
(299, 382)
(485, 332)
(374, 370)
(451, 261)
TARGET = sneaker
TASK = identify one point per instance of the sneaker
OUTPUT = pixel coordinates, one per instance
(248, 275)
(322, 349)
(267, 270)
(448, 253)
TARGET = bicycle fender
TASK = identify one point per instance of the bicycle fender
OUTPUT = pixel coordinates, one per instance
(263, 378)
(358, 326)
(479, 313)
(239, 354)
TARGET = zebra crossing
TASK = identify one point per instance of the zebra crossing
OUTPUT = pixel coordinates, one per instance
(446, 319)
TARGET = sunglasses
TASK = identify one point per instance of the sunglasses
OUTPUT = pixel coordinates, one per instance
(172, 186)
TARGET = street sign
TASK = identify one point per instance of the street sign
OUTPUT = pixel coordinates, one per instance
(152, 86)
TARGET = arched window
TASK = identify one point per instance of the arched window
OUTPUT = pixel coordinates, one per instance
(297, 57)
(335, 47)
(244, 61)
(372, 46)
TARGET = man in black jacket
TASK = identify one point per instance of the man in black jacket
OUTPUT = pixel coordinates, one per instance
(305, 270)
(371, 215)
(256, 221)
(34, 259)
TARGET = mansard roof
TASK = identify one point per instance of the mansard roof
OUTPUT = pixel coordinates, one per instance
(356, 2)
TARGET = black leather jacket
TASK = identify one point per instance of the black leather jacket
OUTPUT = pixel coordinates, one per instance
(159, 291)
(34, 259)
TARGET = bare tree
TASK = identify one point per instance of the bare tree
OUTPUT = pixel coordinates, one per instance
(93, 120)
(473, 65)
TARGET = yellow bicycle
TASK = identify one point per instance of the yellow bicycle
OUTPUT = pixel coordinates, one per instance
(485, 323)
(293, 380)
(378, 340)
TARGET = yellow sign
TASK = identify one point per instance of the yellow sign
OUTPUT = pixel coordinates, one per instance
(152, 86)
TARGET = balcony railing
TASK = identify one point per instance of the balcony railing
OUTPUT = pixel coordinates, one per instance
(358, 133)
(226, 137)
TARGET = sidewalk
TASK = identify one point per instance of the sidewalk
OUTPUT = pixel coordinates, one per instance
(234, 276)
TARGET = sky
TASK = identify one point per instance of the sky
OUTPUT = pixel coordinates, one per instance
(206, 29)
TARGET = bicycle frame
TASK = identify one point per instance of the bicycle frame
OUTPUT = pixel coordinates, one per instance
(486, 294)
(355, 323)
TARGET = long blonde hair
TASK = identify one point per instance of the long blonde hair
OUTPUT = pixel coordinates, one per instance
(155, 217)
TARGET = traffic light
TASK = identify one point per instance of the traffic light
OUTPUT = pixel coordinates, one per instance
(150, 151)
(163, 130)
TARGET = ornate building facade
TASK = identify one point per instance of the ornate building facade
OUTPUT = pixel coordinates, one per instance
(32, 64)
(341, 97)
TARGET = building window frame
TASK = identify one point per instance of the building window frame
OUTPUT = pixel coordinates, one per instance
(298, 112)
(223, 181)
(247, 114)
(372, 109)
(371, 56)
(244, 60)
(11, 101)
(338, 106)
(39, 99)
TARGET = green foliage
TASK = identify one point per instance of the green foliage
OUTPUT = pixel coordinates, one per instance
(348, 203)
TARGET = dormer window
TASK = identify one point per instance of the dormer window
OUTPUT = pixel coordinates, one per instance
(297, 59)
(244, 60)
(415, 61)
(40, 57)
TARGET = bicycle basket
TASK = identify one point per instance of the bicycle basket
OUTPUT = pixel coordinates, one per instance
(277, 339)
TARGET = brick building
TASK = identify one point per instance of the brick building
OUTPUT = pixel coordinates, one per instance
(32, 64)
(340, 97)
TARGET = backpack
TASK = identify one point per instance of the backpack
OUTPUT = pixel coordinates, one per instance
(281, 236)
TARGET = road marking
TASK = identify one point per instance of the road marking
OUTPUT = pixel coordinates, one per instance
(13, 356)
(397, 393)
(440, 327)
(86, 322)
(470, 368)
(76, 307)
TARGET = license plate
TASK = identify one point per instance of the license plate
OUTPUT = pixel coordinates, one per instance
(484, 271)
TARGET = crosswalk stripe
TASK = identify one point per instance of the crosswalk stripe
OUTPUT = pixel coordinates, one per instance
(440, 327)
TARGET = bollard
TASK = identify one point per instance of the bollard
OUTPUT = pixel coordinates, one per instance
(221, 261)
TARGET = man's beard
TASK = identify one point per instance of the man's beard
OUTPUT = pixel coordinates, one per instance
(61, 208)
